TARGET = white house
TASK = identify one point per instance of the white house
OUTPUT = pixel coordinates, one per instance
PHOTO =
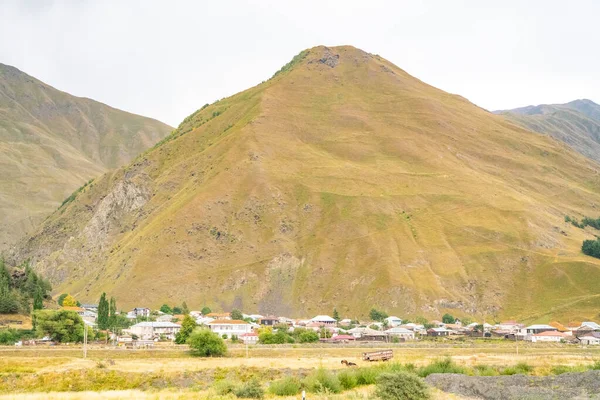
(590, 325)
(229, 327)
(139, 312)
(249, 338)
(413, 327)
(324, 320)
(204, 320)
(154, 330)
(393, 321)
(549, 336)
(509, 326)
(591, 339)
(401, 333)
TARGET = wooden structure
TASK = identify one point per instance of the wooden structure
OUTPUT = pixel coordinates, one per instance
(382, 355)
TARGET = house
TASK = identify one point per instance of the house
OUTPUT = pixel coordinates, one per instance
(393, 321)
(220, 316)
(509, 326)
(592, 338)
(590, 325)
(90, 307)
(229, 327)
(535, 329)
(342, 338)
(436, 332)
(372, 335)
(346, 322)
(204, 320)
(141, 312)
(253, 317)
(249, 338)
(357, 332)
(268, 321)
(155, 330)
(411, 326)
(324, 320)
(164, 318)
(549, 336)
(401, 333)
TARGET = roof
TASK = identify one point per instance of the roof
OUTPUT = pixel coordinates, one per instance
(247, 334)
(595, 335)
(227, 322)
(343, 337)
(69, 308)
(590, 325)
(392, 318)
(442, 329)
(323, 318)
(399, 330)
(551, 333)
(141, 308)
(158, 324)
(214, 314)
(540, 326)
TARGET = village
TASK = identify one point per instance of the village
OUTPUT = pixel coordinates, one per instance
(150, 326)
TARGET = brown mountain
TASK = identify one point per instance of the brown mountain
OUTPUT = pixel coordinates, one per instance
(342, 182)
(51, 143)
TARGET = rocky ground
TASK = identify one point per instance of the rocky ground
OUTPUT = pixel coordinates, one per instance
(584, 385)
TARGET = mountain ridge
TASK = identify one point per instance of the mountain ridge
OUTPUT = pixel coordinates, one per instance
(342, 181)
(52, 142)
(576, 123)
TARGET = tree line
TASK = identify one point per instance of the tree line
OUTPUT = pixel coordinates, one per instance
(21, 289)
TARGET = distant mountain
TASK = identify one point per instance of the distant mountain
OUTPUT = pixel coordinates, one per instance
(342, 182)
(576, 123)
(52, 142)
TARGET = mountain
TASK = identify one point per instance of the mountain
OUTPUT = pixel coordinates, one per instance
(576, 123)
(342, 182)
(51, 143)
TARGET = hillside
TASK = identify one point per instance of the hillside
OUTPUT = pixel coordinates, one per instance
(342, 181)
(576, 123)
(51, 143)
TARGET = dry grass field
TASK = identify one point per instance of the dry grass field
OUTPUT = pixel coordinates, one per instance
(171, 373)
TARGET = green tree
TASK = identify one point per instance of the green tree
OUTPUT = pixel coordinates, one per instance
(8, 300)
(61, 299)
(187, 327)
(112, 312)
(38, 300)
(237, 315)
(448, 319)
(204, 343)
(166, 309)
(103, 312)
(591, 248)
(177, 310)
(308, 336)
(69, 301)
(62, 325)
(336, 315)
(205, 310)
(377, 315)
(184, 308)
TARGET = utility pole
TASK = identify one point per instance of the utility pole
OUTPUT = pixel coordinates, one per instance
(85, 336)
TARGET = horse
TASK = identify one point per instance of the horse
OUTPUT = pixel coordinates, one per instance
(348, 363)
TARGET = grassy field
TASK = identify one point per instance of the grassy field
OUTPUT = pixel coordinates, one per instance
(170, 372)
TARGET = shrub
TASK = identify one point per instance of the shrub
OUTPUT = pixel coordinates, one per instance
(520, 368)
(250, 390)
(322, 381)
(485, 370)
(441, 366)
(348, 379)
(288, 386)
(308, 337)
(595, 365)
(401, 386)
(205, 343)
(366, 376)
(224, 387)
(8, 336)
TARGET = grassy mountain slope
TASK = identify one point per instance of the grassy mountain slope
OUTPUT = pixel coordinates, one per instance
(52, 142)
(576, 123)
(342, 181)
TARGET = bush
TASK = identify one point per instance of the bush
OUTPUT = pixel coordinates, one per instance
(322, 381)
(250, 390)
(366, 376)
(288, 386)
(521, 368)
(591, 248)
(401, 386)
(8, 336)
(224, 387)
(441, 366)
(485, 370)
(595, 365)
(308, 337)
(205, 343)
(348, 379)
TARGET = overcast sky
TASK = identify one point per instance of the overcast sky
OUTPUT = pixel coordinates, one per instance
(165, 59)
